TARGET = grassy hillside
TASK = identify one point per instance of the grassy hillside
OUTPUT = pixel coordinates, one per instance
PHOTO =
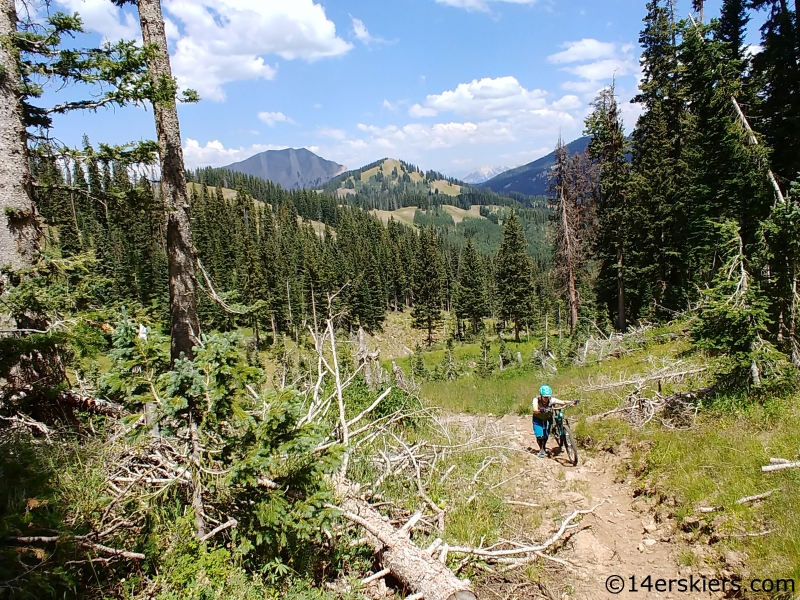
(392, 175)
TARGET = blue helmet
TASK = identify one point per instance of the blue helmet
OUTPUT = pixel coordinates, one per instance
(546, 390)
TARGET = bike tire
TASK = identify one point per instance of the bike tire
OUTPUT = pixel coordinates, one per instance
(569, 444)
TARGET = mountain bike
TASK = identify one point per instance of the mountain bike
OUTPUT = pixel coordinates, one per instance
(563, 434)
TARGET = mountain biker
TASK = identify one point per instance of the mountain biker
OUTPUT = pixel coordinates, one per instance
(542, 405)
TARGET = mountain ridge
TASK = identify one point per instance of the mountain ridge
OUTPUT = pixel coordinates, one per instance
(291, 168)
(531, 179)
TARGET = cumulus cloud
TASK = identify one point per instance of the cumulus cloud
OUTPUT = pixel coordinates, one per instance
(104, 18)
(585, 49)
(215, 154)
(414, 140)
(594, 63)
(480, 5)
(485, 98)
(214, 42)
(271, 118)
(603, 69)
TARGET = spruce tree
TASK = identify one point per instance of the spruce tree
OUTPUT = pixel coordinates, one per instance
(428, 268)
(777, 68)
(485, 366)
(612, 236)
(419, 372)
(514, 275)
(659, 186)
(471, 302)
(781, 235)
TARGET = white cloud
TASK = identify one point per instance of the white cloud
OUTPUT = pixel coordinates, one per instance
(603, 69)
(102, 17)
(568, 102)
(215, 154)
(271, 118)
(418, 140)
(214, 42)
(483, 98)
(585, 49)
(480, 5)
(595, 63)
(419, 112)
(361, 32)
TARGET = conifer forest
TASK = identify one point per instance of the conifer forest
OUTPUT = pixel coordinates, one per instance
(214, 387)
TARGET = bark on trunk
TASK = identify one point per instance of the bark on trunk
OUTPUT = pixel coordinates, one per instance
(19, 227)
(572, 291)
(621, 316)
(184, 324)
(411, 565)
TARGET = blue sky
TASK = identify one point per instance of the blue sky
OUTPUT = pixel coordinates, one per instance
(450, 85)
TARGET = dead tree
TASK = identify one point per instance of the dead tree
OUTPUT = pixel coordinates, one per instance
(411, 565)
(571, 181)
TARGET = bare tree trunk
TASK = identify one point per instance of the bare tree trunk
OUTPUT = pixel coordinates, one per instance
(621, 316)
(19, 228)
(184, 324)
(572, 291)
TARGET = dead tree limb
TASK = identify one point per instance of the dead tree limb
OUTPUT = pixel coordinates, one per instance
(415, 568)
(756, 498)
(780, 467)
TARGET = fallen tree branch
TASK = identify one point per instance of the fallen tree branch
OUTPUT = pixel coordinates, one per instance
(520, 503)
(496, 554)
(216, 530)
(755, 498)
(80, 540)
(780, 467)
(659, 375)
(375, 577)
(77, 400)
(414, 567)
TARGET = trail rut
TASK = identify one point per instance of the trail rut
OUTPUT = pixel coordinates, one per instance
(622, 538)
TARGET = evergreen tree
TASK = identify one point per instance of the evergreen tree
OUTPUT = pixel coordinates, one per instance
(659, 188)
(428, 268)
(419, 372)
(733, 316)
(471, 302)
(514, 275)
(781, 233)
(777, 70)
(612, 236)
(485, 365)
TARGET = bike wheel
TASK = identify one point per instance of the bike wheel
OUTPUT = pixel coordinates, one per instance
(569, 444)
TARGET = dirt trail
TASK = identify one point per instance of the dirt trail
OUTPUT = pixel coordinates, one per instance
(622, 538)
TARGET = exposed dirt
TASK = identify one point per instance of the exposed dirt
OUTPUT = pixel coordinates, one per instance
(621, 538)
